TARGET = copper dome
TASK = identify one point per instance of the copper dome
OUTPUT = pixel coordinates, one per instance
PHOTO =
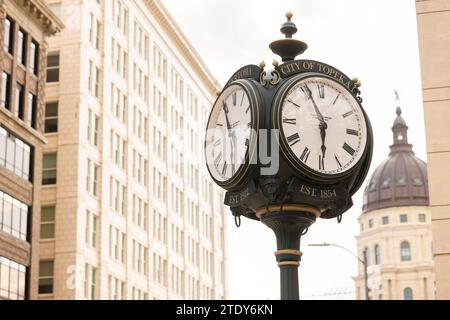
(401, 180)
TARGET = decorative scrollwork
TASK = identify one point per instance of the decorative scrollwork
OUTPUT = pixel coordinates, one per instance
(271, 77)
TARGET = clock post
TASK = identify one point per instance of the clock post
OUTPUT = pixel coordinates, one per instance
(306, 117)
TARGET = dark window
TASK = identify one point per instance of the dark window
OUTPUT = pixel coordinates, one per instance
(49, 169)
(12, 280)
(48, 222)
(22, 47)
(8, 36)
(403, 218)
(417, 182)
(34, 57)
(386, 183)
(405, 251)
(15, 154)
(51, 117)
(45, 277)
(422, 217)
(53, 67)
(31, 116)
(407, 294)
(377, 254)
(370, 223)
(19, 109)
(366, 255)
(6, 91)
(385, 220)
(401, 181)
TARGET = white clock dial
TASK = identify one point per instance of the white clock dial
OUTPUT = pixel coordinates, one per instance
(228, 133)
(323, 125)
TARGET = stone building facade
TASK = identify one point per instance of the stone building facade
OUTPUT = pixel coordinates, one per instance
(24, 28)
(395, 237)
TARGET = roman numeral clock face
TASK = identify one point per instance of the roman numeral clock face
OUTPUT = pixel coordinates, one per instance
(228, 133)
(323, 126)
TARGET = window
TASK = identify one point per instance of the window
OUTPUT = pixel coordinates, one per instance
(118, 103)
(92, 177)
(53, 67)
(15, 154)
(377, 254)
(118, 149)
(366, 255)
(31, 115)
(117, 196)
(8, 36)
(46, 277)
(13, 216)
(94, 32)
(94, 80)
(117, 244)
(91, 229)
(48, 222)
(12, 280)
(401, 181)
(386, 183)
(370, 223)
(19, 102)
(422, 217)
(21, 47)
(49, 169)
(407, 294)
(403, 218)
(6, 91)
(417, 182)
(90, 282)
(405, 251)
(51, 117)
(385, 220)
(139, 258)
(92, 129)
(116, 289)
(34, 58)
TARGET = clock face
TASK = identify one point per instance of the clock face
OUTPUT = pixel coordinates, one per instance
(323, 126)
(228, 133)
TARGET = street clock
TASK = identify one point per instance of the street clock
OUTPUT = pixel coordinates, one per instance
(290, 145)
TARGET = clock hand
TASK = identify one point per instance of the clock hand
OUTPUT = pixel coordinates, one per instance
(323, 133)
(225, 110)
(319, 114)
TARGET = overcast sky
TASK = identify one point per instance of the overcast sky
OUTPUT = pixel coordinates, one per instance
(375, 40)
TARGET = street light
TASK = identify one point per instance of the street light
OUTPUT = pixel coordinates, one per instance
(364, 262)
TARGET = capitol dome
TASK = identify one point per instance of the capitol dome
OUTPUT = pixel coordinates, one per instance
(401, 180)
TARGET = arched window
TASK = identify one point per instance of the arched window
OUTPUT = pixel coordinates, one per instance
(405, 251)
(407, 293)
(366, 255)
(377, 254)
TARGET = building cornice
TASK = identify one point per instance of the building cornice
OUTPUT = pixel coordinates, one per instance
(40, 10)
(177, 37)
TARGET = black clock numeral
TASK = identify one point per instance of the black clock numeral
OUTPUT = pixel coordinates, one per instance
(248, 109)
(217, 159)
(224, 169)
(337, 97)
(349, 149)
(352, 132)
(242, 100)
(290, 121)
(347, 114)
(293, 139)
(234, 95)
(233, 169)
(247, 142)
(321, 163)
(249, 125)
(225, 108)
(295, 104)
(305, 155)
(337, 161)
(219, 124)
(217, 143)
(321, 89)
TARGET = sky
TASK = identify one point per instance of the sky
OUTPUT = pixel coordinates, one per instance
(374, 40)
